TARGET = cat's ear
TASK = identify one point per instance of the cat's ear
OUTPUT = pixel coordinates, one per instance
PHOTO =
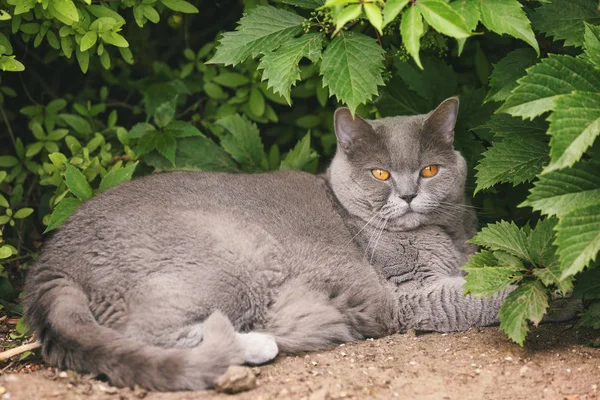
(349, 129)
(442, 120)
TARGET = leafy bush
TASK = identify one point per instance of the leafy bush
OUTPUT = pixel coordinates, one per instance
(99, 100)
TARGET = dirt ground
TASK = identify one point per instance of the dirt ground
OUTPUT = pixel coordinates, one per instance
(558, 362)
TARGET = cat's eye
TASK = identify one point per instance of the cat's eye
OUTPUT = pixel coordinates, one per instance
(429, 171)
(381, 174)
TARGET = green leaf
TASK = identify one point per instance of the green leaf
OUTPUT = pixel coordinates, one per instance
(504, 236)
(256, 102)
(411, 29)
(469, 11)
(347, 14)
(540, 242)
(66, 8)
(564, 19)
(195, 154)
(164, 113)
(232, 79)
(392, 9)
(79, 124)
(374, 16)
(8, 161)
(244, 142)
(103, 11)
(300, 156)
(10, 64)
(588, 285)
(592, 44)
(261, 29)
(310, 4)
(180, 6)
(23, 213)
(551, 274)
(397, 99)
(560, 192)
(88, 40)
(351, 68)
(574, 125)
(280, 67)
(4, 202)
(484, 276)
(515, 159)
(578, 238)
(116, 176)
(591, 316)
(503, 125)
(5, 252)
(166, 144)
(436, 82)
(77, 183)
(34, 149)
(443, 18)
(181, 129)
(115, 39)
(83, 58)
(506, 72)
(528, 302)
(538, 91)
(62, 211)
(507, 16)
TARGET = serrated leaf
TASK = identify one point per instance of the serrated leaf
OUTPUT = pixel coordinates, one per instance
(244, 143)
(77, 183)
(574, 126)
(469, 11)
(436, 81)
(515, 159)
(311, 4)
(61, 212)
(166, 145)
(563, 19)
(528, 302)
(280, 67)
(540, 242)
(507, 17)
(504, 125)
(588, 285)
(592, 44)
(195, 154)
(181, 129)
(392, 9)
(260, 30)
(443, 18)
(116, 176)
(591, 316)
(351, 68)
(538, 91)
(397, 99)
(300, 156)
(411, 29)
(485, 276)
(506, 72)
(560, 192)
(504, 236)
(578, 238)
(551, 274)
(180, 6)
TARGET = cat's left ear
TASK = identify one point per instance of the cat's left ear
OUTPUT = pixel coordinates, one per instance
(442, 120)
(348, 129)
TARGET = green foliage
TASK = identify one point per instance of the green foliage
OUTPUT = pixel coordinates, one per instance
(176, 94)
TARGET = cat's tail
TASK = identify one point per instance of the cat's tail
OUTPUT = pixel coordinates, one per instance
(58, 311)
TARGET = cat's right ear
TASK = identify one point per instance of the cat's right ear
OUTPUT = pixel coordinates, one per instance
(349, 129)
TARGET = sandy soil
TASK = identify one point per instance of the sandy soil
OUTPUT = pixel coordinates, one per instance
(557, 362)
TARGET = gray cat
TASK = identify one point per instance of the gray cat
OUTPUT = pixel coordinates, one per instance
(167, 280)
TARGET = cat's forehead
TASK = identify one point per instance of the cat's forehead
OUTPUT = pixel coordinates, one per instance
(401, 137)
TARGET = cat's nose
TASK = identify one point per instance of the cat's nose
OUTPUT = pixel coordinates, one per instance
(408, 197)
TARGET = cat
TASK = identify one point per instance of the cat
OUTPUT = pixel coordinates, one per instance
(166, 280)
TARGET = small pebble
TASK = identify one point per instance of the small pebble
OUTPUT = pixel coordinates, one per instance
(236, 379)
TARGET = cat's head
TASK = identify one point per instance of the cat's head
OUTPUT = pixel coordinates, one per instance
(404, 169)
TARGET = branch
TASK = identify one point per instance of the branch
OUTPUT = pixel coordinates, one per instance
(5, 355)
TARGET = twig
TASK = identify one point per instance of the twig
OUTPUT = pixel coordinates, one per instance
(5, 355)
(10, 131)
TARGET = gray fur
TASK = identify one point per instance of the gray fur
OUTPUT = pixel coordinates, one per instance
(167, 280)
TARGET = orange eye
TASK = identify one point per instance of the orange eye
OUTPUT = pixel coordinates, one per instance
(381, 174)
(429, 171)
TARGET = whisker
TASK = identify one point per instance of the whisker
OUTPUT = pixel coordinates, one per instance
(377, 241)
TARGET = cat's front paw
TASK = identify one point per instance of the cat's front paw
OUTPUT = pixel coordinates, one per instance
(259, 348)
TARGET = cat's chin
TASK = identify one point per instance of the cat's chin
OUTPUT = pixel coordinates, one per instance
(407, 221)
